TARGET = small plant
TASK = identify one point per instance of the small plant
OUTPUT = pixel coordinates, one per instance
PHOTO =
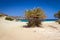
(35, 17)
(9, 18)
(57, 15)
(1, 15)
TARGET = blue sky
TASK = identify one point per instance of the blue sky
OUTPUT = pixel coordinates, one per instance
(18, 7)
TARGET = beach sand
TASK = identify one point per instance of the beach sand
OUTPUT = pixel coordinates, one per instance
(12, 30)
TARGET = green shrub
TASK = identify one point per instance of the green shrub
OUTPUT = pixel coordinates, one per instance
(58, 21)
(1, 15)
(34, 17)
(9, 18)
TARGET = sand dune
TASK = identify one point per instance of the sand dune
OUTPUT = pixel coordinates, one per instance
(11, 30)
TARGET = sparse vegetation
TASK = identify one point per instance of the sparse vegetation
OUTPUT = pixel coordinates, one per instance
(1, 15)
(35, 17)
(9, 18)
(57, 15)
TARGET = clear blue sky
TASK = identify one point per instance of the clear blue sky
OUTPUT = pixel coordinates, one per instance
(18, 7)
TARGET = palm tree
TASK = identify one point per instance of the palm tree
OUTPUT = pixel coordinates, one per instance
(35, 17)
(57, 15)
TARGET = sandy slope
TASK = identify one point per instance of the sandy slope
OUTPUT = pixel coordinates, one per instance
(11, 30)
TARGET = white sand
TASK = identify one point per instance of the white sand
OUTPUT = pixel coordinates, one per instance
(11, 30)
